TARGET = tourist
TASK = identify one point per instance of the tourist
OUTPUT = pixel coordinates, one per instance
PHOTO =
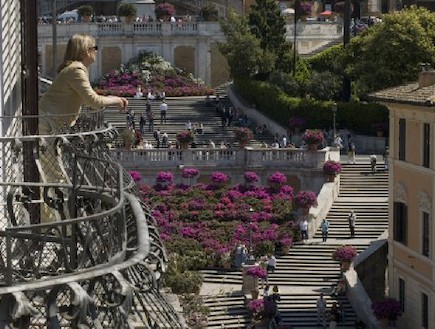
(385, 156)
(271, 264)
(350, 151)
(150, 118)
(142, 123)
(163, 109)
(321, 311)
(303, 225)
(351, 221)
(333, 316)
(325, 229)
(373, 162)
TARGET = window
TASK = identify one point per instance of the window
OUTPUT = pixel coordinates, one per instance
(402, 294)
(400, 222)
(424, 311)
(402, 139)
(425, 234)
(426, 145)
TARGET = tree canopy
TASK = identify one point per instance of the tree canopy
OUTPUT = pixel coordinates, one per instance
(390, 53)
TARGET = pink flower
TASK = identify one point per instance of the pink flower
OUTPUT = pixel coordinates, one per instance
(135, 175)
(344, 253)
(306, 199)
(257, 271)
(313, 136)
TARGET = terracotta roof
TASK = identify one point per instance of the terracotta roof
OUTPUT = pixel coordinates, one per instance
(410, 93)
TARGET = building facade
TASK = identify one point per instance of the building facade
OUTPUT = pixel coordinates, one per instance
(411, 270)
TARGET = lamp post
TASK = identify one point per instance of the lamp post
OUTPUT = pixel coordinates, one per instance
(334, 112)
(251, 259)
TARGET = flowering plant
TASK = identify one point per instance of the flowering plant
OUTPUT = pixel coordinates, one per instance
(243, 134)
(135, 175)
(332, 167)
(286, 242)
(296, 122)
(305, 9)
(388, 308)
(164, 9)
(219, 177)
(165, 177)
(256, 306)
(344, 253)
(313, 136)
(251, 177)
(189, 172)
(257, 272)
(277, 177)
(306, 199)
(185, 137)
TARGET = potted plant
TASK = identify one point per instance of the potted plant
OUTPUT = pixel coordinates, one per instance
(85, 12)
(135, 175)
(296, 124)
(127, 10)
(313, 138)
(304, 10)
(189, 173)
(306, 200)
(243, 135)
(380, 128)
(185, 137)
(276, 180)
(164, 11)
(345, 255)
(331, 169)
(386, 310)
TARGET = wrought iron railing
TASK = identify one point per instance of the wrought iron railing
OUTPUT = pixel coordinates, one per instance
(77, 246)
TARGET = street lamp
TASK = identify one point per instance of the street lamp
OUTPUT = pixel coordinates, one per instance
(251, 259)
(334, 112)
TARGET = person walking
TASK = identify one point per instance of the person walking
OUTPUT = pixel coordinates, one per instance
(271, 264)
(333, 316)
(373, 162)
(321, 311)
(325, 229)
(385, 155)
(303, 226)
(351, 220)
(163, 109)
(350, 151)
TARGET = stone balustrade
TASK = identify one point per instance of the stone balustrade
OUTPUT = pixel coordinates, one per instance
(231, 157)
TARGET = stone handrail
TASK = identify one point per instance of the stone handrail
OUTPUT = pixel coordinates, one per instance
(248, 157)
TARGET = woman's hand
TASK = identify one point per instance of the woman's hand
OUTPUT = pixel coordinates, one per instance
(120, 102)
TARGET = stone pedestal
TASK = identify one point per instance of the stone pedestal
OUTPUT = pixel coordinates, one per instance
(250, 283)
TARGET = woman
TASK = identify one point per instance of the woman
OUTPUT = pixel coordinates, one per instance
(71, 88)
(60, 105)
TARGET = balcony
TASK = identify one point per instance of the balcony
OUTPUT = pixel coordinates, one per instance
(77, 247)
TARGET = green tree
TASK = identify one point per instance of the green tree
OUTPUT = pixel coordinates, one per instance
(268, 25)
(389, 53)
(242, 49)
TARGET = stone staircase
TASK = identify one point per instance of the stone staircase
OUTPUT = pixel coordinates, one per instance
(308, 269)
(180, 111)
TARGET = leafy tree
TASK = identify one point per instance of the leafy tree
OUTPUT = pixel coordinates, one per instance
(325, 85)
(389, 53)
(268, 25)
(242, 49)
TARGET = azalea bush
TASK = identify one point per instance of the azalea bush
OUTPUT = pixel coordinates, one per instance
(205, 224)
(243, 134)
(388, 308)
(189, 172)
(164, 9)
(219, 177)
(152, 73)
(257, 272)
(165, 177)
(277, 178)
(344, 253)
(185, 137)
(251, 177)
(313, 136)
(135, 175)
(306, 199)
(256, 306)
(332, 167)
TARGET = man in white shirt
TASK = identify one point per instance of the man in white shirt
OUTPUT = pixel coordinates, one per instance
(163, 109)
(271, 264)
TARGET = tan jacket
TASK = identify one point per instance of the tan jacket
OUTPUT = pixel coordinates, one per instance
(63, 100)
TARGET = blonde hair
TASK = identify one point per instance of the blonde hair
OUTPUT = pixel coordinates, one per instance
(76, 49)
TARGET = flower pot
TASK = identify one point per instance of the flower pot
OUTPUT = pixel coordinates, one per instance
(86, 19)
(345, 265)
(313, 147)
(330, 177)
(184, 146)
(242, 145)
(254, 294)
(380, 133)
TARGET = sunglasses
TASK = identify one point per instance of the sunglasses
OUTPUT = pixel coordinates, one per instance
(94, 48)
